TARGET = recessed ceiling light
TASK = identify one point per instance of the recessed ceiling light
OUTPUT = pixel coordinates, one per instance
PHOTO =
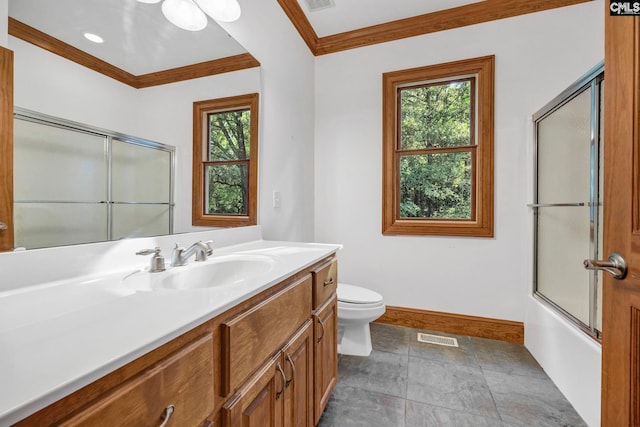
(94, 38)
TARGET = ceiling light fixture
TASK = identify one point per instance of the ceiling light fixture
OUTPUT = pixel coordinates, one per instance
(221, 10)
(184, 14)
(190, 14)
(93, 38)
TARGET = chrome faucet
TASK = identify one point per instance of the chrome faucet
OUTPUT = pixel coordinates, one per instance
(180, 255)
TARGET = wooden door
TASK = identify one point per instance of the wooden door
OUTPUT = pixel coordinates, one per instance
(621, 298)
(6, 149)
(298, 365)
(325, 354)
(259, 402)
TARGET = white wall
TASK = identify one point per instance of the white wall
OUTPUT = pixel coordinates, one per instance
(286, 150)
(537, 56)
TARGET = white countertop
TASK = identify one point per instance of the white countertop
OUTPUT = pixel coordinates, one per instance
(57, 337)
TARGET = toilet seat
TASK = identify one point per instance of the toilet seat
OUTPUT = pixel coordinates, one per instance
(361, 297)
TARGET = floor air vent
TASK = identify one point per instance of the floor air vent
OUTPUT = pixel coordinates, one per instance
(438, 340)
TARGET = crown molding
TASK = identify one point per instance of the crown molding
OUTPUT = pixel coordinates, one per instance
(471, 14)
(45, 41)
(203, 69)
(299, 20)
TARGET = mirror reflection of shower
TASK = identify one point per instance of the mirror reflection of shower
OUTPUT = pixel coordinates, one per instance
(75, 183)
(567, 203)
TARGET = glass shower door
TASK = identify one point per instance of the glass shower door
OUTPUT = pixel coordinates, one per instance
(567, 201)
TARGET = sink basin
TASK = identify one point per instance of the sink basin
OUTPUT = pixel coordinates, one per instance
(215, 272)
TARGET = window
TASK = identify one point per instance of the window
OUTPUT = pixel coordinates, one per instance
(225, 161)
(438, 149)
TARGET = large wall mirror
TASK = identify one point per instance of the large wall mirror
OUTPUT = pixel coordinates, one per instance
(140, 83)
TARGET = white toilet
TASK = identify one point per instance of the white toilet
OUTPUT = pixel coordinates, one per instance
(357, 307)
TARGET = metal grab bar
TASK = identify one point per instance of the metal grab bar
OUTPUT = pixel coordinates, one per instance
(90, 202)
(562, 205)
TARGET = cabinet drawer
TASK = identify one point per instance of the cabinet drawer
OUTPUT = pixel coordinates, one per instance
(184, 380)
(251, 337)
(325, 282)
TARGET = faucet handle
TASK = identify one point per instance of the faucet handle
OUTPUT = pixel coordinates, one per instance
(208, 244)
(149, 251)
(176, 256)
(157, 260)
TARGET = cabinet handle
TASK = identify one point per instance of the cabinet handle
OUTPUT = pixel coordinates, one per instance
(322, 326)
(168, 411)
(293, 370)
(284, 380)
(329, 282)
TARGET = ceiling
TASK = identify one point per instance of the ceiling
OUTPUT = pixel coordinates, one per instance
(141, 44)
(339, 25)
(349, 15)
(137, 37)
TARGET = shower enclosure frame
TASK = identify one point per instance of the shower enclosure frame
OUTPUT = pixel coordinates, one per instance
(109, 137)
(593, 79)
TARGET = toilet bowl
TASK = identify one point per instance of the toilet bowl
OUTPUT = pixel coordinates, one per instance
(357, 307)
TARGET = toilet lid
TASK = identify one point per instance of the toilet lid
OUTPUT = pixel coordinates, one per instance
(357, 295)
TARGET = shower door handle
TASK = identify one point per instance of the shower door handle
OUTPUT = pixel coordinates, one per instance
(616, 266)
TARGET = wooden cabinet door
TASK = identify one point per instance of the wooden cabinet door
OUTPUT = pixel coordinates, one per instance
(325, 354)
(259, 402)
(297, 358)
(249, 338)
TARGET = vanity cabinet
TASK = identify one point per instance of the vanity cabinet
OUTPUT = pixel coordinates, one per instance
(325, 282)
(325, 332)
(298, 388)
(280, 393)
(269, 361)
(250, 337)
(256, 404)
(325, 376)
(179, 388)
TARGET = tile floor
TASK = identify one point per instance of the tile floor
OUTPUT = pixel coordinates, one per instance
(405, 383)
